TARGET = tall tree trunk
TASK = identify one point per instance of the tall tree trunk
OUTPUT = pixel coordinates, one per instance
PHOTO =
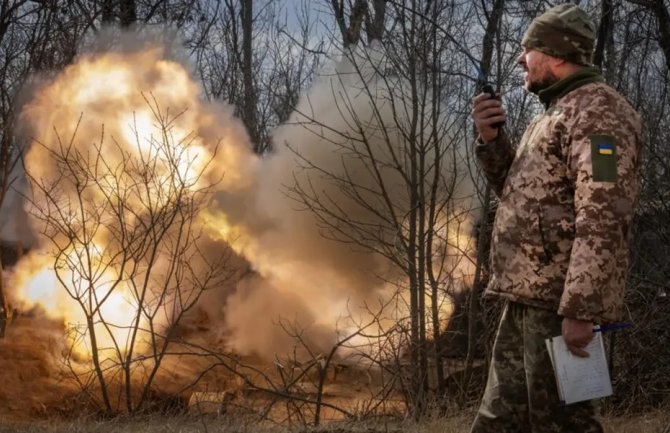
(492, 28)
(250, 96)
(417, 313)
(610, 52)
(604, 55)
(604, 33)
(436, 149)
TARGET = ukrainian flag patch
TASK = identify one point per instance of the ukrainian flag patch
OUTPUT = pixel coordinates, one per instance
(606, 149)
(603, 158)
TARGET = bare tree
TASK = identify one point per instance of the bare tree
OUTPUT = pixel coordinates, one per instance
(401, 188)
(249, 60)
(124, 236)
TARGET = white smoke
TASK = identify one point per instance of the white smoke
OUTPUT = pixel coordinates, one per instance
(344, 153)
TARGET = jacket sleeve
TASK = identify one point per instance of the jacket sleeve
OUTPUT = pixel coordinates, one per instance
(495, 159)
(603, 159)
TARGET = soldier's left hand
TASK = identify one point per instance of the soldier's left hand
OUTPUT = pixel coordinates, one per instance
(577, 335)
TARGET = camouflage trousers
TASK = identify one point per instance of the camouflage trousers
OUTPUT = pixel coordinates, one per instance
(521, 394)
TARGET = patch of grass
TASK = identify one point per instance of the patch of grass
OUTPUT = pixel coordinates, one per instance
(655, 422)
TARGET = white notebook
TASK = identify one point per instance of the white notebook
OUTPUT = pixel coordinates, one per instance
(580, 379)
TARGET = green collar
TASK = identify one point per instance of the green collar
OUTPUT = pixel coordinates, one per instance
(571, 82)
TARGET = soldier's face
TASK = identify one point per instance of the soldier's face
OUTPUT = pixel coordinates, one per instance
(538, 74)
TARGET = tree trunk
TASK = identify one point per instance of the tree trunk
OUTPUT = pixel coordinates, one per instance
(663, 17)
(350, 34)
(95, 359)
(127, 13)
(374, 25)
(107, 11)
(604, 32)
(250, 97)
(484, 231)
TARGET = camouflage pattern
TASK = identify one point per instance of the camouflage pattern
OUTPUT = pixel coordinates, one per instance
(521, 394)
(560, 238)
(564, 31)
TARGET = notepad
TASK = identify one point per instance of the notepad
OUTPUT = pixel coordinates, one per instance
(577, 378)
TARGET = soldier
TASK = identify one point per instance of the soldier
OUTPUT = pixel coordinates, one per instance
(560, 240)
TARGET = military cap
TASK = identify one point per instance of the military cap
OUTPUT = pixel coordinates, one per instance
(564, 31)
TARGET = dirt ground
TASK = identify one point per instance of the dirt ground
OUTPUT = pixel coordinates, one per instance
(38, 395)
(34, 383)
(37, 384)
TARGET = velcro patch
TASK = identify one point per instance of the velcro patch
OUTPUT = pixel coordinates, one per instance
(603, 158)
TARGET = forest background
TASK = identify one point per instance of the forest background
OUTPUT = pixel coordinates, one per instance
(265, 58)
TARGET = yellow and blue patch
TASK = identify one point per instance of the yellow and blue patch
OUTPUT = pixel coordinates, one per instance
(606, 149)
(603, 158)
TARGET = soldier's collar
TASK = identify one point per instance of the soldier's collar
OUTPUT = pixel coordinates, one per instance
(583, 76)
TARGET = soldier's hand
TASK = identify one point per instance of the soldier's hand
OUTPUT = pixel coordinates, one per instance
(577, 335)
(487, 111)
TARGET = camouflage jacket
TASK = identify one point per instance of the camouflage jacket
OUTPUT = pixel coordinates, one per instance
(567, 195)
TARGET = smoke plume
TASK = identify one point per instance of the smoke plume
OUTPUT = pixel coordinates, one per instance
(295, 218)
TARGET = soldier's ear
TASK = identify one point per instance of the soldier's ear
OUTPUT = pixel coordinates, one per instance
(557, 62)
(561, 67)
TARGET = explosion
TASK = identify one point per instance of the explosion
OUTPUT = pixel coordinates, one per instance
(142, 192)
(126, 156)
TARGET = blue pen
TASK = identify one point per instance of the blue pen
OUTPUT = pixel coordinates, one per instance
(611, 327)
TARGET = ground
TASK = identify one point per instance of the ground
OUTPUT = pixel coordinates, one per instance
(37, 395)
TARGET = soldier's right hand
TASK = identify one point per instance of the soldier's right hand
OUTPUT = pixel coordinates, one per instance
(487, 111)
(577, 334)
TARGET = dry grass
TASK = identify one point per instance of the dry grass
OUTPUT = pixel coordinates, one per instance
(657, 422)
